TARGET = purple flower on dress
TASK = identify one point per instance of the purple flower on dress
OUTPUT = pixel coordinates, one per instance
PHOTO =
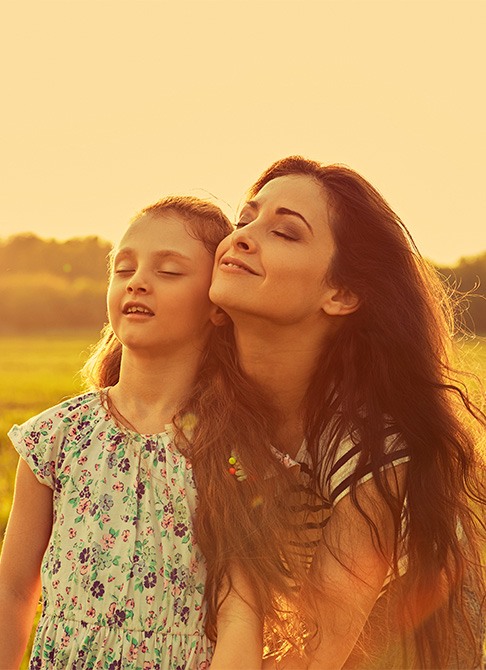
(150, 580)
(56, 567)
(84, 555)
(98, 589)
(149, 446)
(85, 493)
(119, 617)
(185, 614)
(117, 439)
(115, 665)
(140, 489)
(180, 529)
(35, 663)
(124, 465)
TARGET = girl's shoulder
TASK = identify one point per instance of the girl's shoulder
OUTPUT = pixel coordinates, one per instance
(44, 440)
(79, 408)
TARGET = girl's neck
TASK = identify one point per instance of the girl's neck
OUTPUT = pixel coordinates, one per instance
(152, 390)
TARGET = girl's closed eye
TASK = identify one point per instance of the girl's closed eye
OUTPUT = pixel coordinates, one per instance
(169, 270)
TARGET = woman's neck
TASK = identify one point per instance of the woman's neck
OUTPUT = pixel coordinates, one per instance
(283, 363)
(151, 390)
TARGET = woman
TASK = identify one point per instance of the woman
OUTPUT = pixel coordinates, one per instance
(342, 334)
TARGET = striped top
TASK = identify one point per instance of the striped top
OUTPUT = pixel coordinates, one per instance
(314, 510)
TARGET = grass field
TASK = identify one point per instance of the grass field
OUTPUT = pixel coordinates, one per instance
(35, 373)
(39, 371)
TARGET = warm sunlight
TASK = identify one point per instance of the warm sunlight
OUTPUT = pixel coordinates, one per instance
(110, 105)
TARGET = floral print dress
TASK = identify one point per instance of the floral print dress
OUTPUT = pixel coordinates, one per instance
(122, 577)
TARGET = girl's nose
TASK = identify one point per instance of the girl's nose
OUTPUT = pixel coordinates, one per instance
(137, 283)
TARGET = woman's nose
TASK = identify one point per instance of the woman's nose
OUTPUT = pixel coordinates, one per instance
(244, 240)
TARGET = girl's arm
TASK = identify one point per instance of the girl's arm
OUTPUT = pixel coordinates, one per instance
(240, 629)
(26, 538)
(348, 572)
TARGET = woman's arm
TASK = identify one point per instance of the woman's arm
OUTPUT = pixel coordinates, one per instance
(26, 538)
(240, 629)
(348, 572)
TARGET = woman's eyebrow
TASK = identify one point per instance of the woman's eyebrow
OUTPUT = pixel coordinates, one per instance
(285, 210)
(282, 210)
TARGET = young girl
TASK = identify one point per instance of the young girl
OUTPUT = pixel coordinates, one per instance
(343, 379)
(105, 495)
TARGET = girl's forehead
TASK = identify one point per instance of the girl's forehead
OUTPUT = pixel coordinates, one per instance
(163, 226)
(161, 234)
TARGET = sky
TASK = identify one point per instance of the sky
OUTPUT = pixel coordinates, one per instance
(108, 106)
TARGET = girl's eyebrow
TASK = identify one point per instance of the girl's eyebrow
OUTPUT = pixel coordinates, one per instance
(282, 210)
(161, 254)
(168, 253)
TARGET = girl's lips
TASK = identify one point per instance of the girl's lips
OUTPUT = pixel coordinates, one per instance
(137, 309)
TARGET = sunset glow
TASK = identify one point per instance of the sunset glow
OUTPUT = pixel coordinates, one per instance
(107, 106)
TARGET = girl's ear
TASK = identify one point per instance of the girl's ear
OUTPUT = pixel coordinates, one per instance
(340, 302)
(218, 316)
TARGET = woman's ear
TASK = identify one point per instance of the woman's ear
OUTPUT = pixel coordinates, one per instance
(340, 302)
(218, 316)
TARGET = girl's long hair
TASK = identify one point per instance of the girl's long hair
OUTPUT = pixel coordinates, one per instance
(389, 361)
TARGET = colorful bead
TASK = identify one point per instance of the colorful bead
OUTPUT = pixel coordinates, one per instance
(235, 468)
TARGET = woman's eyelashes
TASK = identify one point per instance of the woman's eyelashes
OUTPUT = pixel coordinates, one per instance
(287, 233)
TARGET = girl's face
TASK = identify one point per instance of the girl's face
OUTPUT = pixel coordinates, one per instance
(274, 265)
(158, 290)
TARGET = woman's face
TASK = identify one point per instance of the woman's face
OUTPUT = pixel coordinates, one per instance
(274, 265)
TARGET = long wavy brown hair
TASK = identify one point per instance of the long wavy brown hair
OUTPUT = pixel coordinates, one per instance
(391, 359)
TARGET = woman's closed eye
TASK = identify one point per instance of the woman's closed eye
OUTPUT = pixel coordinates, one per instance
(242, 223)
(286, 235)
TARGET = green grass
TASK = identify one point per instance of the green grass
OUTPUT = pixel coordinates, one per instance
(38, 371)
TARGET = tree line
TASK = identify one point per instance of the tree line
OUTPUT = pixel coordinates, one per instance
(53, 285)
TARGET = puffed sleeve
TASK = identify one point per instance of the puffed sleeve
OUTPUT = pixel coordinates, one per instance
(40, 441)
